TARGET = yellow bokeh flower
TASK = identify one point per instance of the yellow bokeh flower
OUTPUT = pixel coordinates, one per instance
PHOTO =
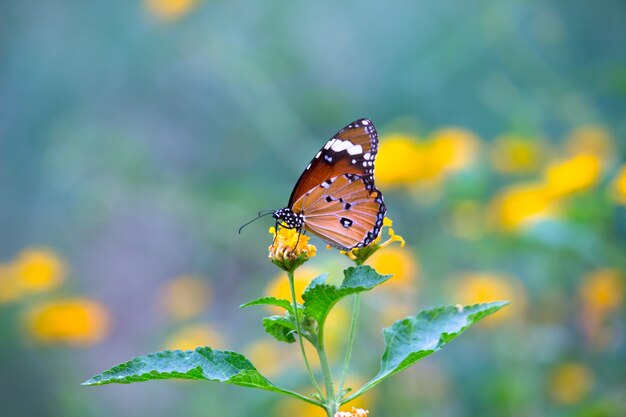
(400, 263)
(192, 336)
(619, 186)
(602, 291)
(39, 269)
(601, 294)
(591, 140)
(404, 159)
(398, 161)
(290, 248)
(484, 287)
(279, 286)
(169, 9)
(520, 205)
(74, 321)
(451, 149)
(569, 176)
(512, 154)
(184, 297)
(271, 358)
(10, 289)
(335, 331)
(569, 383)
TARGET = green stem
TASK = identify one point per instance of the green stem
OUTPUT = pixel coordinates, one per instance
(331, 401)
(353, 326)
(302, 397)
(292, 287)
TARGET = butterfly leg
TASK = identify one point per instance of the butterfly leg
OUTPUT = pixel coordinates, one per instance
(299, 233)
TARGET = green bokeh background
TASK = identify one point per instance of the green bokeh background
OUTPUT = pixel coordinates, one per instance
(135, 146)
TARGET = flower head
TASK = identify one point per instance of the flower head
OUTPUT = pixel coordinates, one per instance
(360, 255)
(290, 248)
(356, 412)
(75, 321)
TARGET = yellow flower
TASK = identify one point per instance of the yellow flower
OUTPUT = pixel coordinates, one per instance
(483, 287)
(290, 248)
(619, 186)
(356, 412)
(569, 383)
(192, 336)
(398, 161)
(10, 289)
(271, 358)
(578, 173)
(335, 331)
(360, 255)
(591, 140)
(39, 269)
(403, 159)
(169, 9)
(185, 297)
(602, 291)
(511, 154)
(74, 321)
(400, 264)
(279, 286)
(451, 149)
(520, 205)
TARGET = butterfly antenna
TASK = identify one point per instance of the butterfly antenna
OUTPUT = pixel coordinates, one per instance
(256, 218)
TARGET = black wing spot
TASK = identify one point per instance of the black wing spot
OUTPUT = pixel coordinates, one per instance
(347, 206)
(345, 222)
(329, 198)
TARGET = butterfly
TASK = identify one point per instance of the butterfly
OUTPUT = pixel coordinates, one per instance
(335, 197)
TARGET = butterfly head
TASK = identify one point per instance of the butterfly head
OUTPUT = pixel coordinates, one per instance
(289, 219)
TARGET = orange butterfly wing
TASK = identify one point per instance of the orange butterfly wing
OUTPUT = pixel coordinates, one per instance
(343, 210)
(351, 151)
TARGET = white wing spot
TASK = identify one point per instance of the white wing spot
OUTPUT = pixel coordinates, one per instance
(367, 155)
(365, 122)
(341, 145)
(330, 143)
(355, 149)
(318, 154)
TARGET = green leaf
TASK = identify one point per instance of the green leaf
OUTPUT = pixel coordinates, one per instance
(320, 297)
(282, 328)
(413, 338)
(273, 301)
(203, 363)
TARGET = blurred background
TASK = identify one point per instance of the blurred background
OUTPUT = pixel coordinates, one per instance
(137, 136)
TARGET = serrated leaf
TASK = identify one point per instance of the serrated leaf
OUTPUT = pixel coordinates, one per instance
(320, 297)
(414, 338)
(282, 328)
(273, 301)
(203, 363)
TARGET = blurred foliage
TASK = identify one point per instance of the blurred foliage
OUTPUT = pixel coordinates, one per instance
(136, 137)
